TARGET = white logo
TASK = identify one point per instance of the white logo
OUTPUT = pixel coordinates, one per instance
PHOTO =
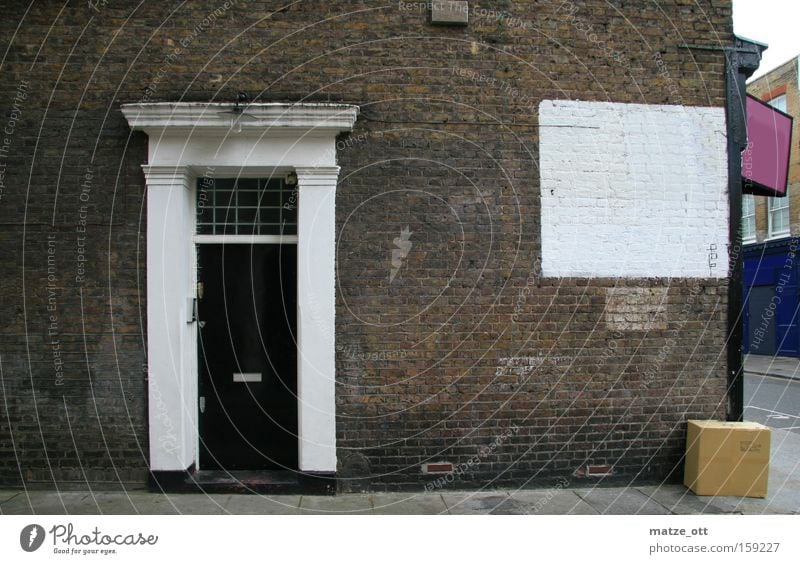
(403, 245)
(31, 537)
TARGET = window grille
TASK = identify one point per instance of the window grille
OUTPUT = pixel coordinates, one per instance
(246, 206)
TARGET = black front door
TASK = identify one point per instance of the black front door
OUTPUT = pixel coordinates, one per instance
(247, 303)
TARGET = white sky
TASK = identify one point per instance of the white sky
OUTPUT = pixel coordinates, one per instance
(774, 22)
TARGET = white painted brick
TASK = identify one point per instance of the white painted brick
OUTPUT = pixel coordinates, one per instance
(632, 190)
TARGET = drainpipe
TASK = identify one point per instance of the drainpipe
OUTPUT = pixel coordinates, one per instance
(741, 61)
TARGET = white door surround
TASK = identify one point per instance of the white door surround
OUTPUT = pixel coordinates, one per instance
(187, 141)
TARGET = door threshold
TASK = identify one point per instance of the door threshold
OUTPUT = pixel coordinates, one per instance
(260, 482)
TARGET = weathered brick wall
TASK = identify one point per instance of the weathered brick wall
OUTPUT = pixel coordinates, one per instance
(466, 354)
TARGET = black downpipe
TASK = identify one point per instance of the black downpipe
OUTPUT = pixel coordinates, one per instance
(741, 62)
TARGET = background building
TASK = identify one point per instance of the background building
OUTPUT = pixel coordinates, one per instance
(770, 226)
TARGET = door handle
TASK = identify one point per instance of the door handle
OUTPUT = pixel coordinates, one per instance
(191, 310)
(202, 404)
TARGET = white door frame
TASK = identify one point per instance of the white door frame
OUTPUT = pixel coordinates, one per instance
(191, 140)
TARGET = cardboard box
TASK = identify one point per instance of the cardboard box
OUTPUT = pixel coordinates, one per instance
(727, 458)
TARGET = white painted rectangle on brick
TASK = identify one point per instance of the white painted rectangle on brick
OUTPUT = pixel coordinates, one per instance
(633, 190)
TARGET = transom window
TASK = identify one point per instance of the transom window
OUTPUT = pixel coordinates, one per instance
(246, 206)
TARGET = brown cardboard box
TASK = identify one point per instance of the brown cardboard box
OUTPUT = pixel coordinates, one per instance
(727, 458)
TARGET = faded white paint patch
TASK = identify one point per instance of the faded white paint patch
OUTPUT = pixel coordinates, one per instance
(633, 190)
(636, 309)
(522, 366)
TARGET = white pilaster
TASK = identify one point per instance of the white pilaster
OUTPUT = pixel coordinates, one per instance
(171, 341)
(316, 284)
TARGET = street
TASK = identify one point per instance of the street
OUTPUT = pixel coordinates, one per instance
(775, 402)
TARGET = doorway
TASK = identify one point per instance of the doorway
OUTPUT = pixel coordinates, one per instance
(247, 356)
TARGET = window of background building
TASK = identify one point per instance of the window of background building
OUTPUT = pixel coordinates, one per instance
(778, 208)
(748, 217)
(778, 102)
(778, 216)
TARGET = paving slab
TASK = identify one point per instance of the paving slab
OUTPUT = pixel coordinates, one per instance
(351, 504)
(428, 503)
(510, 506)
(783, 498)
(7, 495)
(783, 491)
(196, 504)
(122, 503)
(47, 503)
(771, 505)
(781, 366)
(246, 504)
(621, 501)
(477, 503)
(748, 505)
(681, 500)
(552, 502)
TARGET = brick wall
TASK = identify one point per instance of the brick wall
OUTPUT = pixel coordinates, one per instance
(466, 353)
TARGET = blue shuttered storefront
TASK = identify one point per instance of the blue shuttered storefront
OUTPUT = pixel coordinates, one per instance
(772, 324)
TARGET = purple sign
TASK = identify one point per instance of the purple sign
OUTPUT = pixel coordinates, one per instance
(765, 161)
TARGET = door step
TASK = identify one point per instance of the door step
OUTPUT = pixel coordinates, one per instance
(259, 482)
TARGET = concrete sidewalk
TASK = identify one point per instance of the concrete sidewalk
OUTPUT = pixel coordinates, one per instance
(779, 366)
(783, 498)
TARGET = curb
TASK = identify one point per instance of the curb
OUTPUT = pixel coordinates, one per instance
(773, 375)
